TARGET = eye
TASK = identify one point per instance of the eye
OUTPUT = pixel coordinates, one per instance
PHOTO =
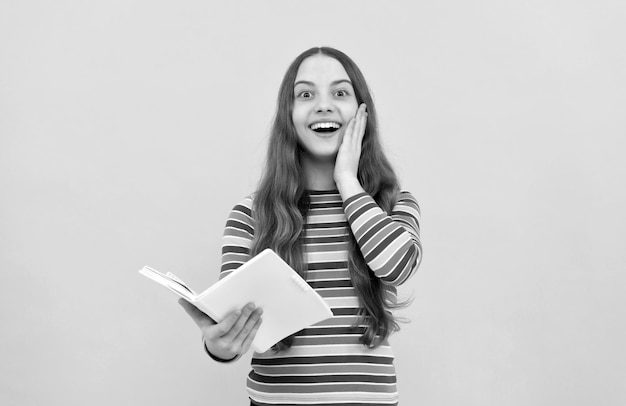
(341, 93)
(305, 94)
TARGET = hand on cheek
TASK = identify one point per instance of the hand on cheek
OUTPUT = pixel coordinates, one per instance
(349, 154)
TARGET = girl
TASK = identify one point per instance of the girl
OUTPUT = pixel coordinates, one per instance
(329, 204)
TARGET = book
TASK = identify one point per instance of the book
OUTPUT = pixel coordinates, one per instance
(289, 303)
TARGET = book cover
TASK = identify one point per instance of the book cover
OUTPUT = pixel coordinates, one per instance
(289, 303)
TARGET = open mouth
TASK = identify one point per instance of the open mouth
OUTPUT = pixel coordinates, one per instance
(325, 127)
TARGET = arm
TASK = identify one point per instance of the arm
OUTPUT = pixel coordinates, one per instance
(237, 237)
(390, 244)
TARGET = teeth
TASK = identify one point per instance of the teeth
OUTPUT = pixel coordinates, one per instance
(329, 124)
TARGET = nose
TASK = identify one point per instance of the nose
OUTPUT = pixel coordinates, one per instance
(324, 105)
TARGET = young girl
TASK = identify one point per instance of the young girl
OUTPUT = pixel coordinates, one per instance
(329, 204)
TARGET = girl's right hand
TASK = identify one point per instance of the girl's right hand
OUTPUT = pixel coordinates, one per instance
(230, 337)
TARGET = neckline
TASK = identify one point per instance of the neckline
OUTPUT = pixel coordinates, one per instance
(322, 192)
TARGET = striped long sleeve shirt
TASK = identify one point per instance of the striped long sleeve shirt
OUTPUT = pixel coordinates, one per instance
(326, 363)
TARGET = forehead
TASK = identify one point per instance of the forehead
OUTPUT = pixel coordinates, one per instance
(321, 69)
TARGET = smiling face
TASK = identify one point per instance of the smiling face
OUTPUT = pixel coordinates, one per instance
(324, 103)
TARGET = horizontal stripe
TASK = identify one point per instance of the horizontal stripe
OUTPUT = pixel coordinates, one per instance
(337, 292)
(348, 311)
(323, 387)
(327, 248)
(229, 249)
(326, 399)
(327, 274)
(325, 240)
(324, 369)
(319, 206)
(327, 339)
(326, 232)
(343, 283)
(320, 194)
(339, 224)
(243, 208)
(239, 225)
(311, 331)
(330, 255)
(315, 351)
(328, 359)
(237, 233)
(320, 379)
(349, 322)
(327, 363)
(328, 265)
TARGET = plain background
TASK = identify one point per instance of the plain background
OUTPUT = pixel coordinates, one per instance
(129, 129)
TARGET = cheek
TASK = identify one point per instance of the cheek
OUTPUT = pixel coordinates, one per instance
(350, 109)
(298, 117)
(299, 124)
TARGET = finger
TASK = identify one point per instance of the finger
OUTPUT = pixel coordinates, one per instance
(236, 328)
(223, 328)
(361, 133)
(359, 125)
(245, 346)
(362, 109)
(349, 130)
(198, 316)
(247, 328)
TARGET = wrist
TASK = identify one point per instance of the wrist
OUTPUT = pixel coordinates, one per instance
(218, 358)
(349, 186)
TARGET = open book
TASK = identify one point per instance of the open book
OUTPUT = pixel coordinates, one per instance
(289, 303)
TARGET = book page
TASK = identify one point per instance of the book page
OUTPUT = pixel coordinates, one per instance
(170, 281)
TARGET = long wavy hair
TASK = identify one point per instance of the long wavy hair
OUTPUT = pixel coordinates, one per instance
(281, 201)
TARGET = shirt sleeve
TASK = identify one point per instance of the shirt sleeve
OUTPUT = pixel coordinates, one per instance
(237, 237)
(236, 243)
(390, 244)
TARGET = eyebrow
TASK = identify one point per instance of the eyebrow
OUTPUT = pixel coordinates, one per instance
(333, 83)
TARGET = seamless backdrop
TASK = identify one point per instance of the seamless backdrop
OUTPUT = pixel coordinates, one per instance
(129, 129)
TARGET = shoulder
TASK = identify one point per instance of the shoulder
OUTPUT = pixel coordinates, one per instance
(244, 205)
(240, 218)
(243, 210)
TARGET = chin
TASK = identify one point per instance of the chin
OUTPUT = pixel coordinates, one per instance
(322, 156)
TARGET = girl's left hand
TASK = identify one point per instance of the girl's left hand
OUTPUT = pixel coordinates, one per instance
(347, 162)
